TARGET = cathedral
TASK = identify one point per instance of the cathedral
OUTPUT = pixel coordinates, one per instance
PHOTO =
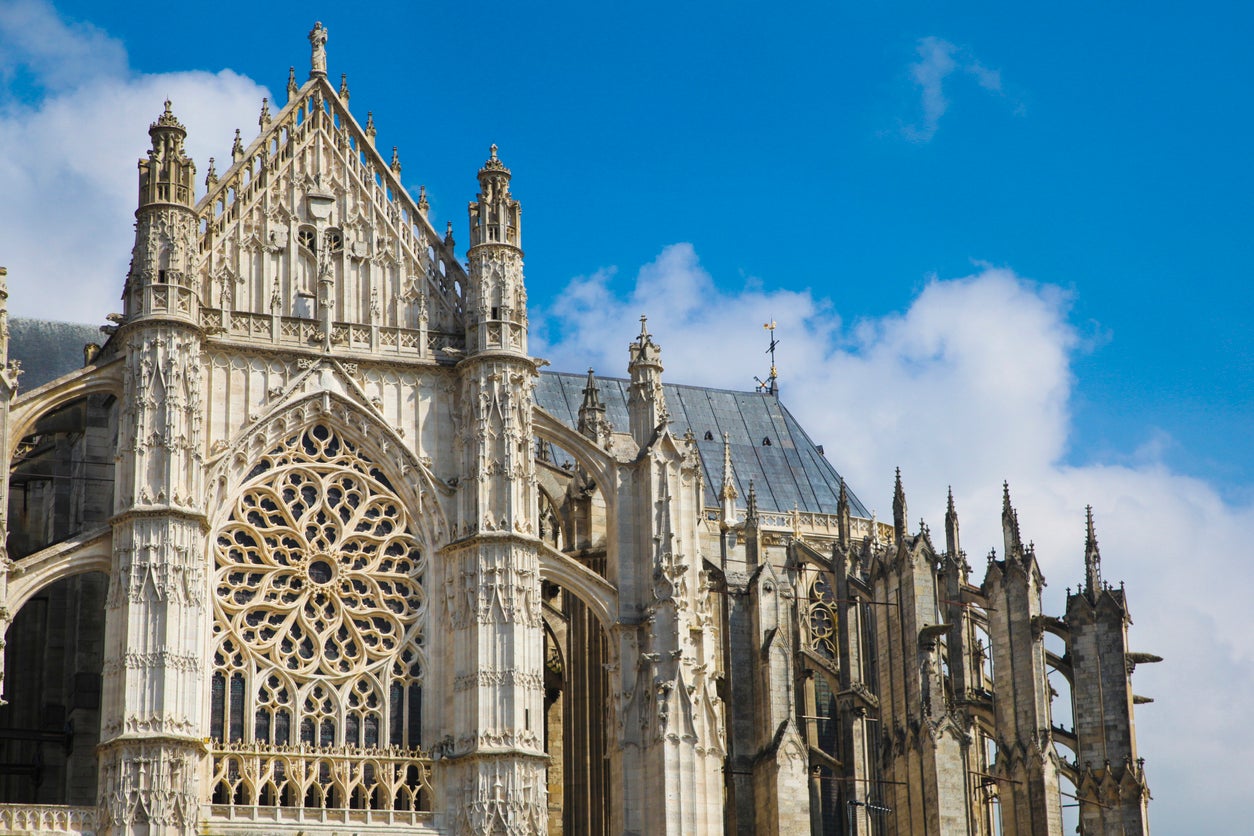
(305, 541)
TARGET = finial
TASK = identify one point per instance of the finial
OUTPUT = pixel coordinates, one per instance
(370, 130)
(211, 176)
(423, 206)
(344, 88)
(166, 120)
(264, 119)
(644, 327)
(493, 163)
(751, 506)
(237, 150)
(949, 505)
(448, 235)
(318, 50)
(292, 89)
(396, 162)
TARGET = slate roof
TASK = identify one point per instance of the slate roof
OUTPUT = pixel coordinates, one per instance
(787, 473)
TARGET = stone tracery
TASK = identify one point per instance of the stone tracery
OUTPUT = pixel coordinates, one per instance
(319, 609)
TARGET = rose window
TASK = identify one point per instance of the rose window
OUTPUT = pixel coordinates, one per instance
(319, 607)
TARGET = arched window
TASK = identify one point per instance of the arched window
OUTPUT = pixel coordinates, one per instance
(319, 610)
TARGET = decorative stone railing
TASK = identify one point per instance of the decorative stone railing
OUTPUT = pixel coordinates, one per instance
(303, 332)
(345, 784)
(815, 524)
(47, 818)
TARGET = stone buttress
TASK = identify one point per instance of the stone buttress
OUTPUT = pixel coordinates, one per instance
(1112, 789)
(154, 684)
(495, 767)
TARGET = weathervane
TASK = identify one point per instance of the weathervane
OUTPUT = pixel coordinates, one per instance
(770, 385)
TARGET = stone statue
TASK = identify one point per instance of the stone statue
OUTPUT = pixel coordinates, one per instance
(318, 41)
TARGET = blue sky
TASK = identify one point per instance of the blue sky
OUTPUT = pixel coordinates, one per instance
(1001, 243)
(792, 147)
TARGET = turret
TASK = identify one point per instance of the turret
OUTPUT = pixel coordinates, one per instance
(496, 301)
(168, 175)
(160, 282)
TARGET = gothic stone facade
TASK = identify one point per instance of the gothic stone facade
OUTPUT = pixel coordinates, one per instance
(310, 545)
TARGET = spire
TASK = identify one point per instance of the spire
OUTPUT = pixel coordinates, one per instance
(728, 491)
(1010, 524)
(292, 89)
(899, 508)
(646, 402)
(344, 88)
(591, 411)
(844, 522)
(1092, 557)
(951, 528)
(751, 504)
(318, 50)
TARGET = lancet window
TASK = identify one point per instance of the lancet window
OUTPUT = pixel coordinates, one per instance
(316, 695)
(821, 619)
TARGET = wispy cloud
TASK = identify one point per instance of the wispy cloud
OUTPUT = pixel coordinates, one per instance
(938, 61)
(969, 385)
(71, 135)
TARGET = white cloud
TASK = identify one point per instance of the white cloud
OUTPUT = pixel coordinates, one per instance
(938, 60)
(76, 145)
(968, 386)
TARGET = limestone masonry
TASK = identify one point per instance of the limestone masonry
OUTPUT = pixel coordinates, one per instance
(310, 545)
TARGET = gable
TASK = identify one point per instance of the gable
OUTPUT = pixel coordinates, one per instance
(311, 198)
